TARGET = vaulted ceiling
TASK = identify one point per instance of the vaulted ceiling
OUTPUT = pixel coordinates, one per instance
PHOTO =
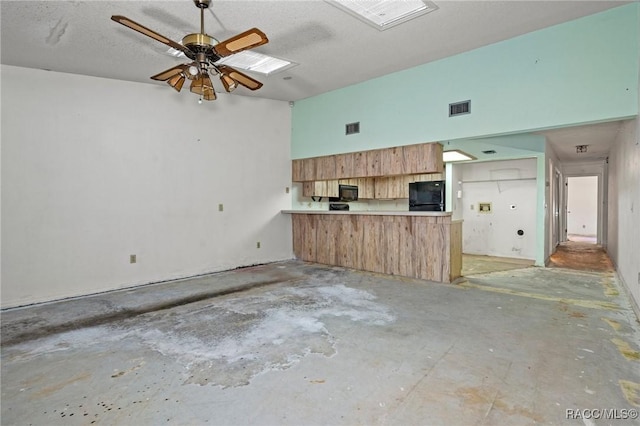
(331, 48)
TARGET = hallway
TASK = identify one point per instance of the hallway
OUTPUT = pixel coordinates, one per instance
(582, 256)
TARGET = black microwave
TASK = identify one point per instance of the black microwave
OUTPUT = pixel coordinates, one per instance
(346, 193)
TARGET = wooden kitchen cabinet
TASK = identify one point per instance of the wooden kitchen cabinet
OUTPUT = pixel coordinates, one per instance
(325, 168)
(303, 170)
(344, 165)
(366, 187)
(359, 165)
(374, 164)
(296, 171)
(388, 162)
(423, 158)
(320, 188)
(392, 161)
(420, 246)
(392, 187)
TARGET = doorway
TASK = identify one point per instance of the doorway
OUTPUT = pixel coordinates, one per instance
(582, 209)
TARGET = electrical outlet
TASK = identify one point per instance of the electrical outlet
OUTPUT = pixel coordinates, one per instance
(132, 258)
(258, 244)
(220, 207)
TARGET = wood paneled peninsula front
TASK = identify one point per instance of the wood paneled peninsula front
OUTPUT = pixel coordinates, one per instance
(424, 245)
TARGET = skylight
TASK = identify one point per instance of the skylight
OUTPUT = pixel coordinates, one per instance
(456, 155)
(383, 14)
(257, 62)
(248, 61)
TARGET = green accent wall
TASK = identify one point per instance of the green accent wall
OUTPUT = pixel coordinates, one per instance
(583, 71)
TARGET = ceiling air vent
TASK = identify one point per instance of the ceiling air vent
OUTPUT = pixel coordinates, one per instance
(352, 128)
(459, 108)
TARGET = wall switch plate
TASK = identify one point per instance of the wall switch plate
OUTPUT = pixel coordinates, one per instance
(258, 244)
(286, 190)
(132, 258)
(220, 207)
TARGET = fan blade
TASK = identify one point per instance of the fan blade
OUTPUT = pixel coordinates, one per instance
(240, 78)
(243, 41)
(166, 75)
(150, 33)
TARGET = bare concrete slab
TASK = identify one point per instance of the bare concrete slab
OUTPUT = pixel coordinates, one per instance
(303, 344)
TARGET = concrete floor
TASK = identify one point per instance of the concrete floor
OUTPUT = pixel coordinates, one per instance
(303, 344)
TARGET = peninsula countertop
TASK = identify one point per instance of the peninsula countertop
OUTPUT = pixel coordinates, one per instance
(369, 212)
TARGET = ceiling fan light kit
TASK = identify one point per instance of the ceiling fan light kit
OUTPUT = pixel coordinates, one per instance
(205, 51)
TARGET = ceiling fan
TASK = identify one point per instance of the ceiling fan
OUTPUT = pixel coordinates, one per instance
(204, 51)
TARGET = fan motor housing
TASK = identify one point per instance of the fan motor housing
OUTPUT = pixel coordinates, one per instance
(199, 40)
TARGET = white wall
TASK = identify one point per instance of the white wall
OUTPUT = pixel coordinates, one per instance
(582, 205)
(623, 243)
(94, 170)
(503, 184)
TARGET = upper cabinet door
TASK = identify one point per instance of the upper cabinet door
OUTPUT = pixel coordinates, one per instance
(344, 165)
(423, 158)
(392, 161)
(325, 167)
(374, 163)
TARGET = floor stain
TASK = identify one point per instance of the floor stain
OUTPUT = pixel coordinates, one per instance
(123, 372)
(475, 395)
(519, 411)
(56, 387)
(592, 304)
(631, 391)
(613, 323)
(609, 289)
(626, 350)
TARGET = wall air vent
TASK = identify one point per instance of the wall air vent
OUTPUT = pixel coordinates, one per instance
(459, 108)
(352, 128)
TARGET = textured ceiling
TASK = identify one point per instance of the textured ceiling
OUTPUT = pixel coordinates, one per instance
(332, 49)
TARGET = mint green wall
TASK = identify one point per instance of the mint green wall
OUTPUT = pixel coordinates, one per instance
(578, 72)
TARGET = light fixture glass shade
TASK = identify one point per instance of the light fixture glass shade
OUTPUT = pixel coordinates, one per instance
(228, 83)
(456, 155)
(176, 81)
(203, 87)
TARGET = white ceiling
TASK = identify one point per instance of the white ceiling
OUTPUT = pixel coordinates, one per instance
(332, 49)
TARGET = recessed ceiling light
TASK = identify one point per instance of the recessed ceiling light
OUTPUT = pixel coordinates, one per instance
(257, 62)
(383, 14)
(456, 155)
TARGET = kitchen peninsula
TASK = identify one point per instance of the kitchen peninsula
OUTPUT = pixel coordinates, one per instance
(417, 244)
(424, 245)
